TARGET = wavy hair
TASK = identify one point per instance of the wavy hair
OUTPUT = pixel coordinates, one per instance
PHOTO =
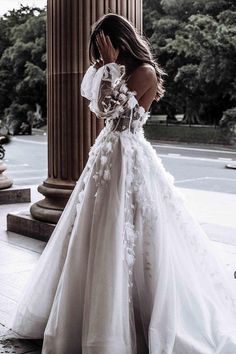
(131, 45)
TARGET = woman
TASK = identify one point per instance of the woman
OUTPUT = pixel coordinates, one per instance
(128, 270)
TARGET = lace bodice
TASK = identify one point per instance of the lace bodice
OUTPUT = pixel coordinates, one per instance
(111, 99)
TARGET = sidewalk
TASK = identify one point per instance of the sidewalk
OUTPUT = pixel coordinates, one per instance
(18, 254)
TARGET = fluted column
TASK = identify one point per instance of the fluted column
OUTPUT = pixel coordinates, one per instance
(71, 129)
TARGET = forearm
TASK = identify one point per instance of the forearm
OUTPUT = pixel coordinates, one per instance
(105, 89)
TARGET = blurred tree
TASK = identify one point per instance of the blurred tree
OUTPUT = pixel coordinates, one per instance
(195, 41)
(23, 60)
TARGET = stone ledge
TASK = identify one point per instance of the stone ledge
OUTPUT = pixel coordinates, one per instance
(24, 224)
(15, 195)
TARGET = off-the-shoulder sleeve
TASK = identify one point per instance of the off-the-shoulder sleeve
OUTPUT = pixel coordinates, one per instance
(87, 82)
(109, 96)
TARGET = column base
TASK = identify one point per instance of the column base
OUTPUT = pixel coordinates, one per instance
(5, 181)
(51, 207)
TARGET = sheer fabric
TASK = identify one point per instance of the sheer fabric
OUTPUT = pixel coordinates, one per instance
(128, 269)
(111, 99)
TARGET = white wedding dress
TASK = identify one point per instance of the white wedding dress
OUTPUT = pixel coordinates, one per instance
(128, 269)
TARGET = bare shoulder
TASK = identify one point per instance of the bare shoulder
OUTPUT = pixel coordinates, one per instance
(143, 79)
(145, 72)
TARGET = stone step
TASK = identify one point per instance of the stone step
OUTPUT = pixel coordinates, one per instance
(15, 194)
(24, 224)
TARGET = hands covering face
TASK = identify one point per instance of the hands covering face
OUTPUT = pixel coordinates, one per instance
(108, 53)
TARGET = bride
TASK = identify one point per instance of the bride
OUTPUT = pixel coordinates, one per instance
(128, 269)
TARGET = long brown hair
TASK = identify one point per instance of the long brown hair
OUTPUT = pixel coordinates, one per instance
(131, 45)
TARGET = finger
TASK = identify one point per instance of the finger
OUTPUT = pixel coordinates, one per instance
(103, 39)
(109, 42)
(116, 51)
(98, 39)
(102, 45)
(99, 45)
(99, 50)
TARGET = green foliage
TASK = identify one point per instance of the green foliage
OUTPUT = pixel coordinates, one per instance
(22, 62)
(195, 41)
(228, 124)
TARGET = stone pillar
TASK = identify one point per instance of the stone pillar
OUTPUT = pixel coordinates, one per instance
(71, 129)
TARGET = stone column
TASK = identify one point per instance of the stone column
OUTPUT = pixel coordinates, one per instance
(71, 128)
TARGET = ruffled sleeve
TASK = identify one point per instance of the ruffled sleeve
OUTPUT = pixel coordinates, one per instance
(109, 96)
(87, 82)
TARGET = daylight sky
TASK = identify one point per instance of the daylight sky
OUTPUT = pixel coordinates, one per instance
(6, 5)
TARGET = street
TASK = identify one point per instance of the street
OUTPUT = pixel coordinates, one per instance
(199, 168)
(193, 167)
(26, 159)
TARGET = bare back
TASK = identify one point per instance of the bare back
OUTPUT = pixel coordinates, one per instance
(144, 81)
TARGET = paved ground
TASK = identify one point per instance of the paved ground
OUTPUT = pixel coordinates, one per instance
(18, 256)
(212, 200)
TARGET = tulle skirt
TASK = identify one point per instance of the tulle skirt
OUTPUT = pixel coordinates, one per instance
(128, 269)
